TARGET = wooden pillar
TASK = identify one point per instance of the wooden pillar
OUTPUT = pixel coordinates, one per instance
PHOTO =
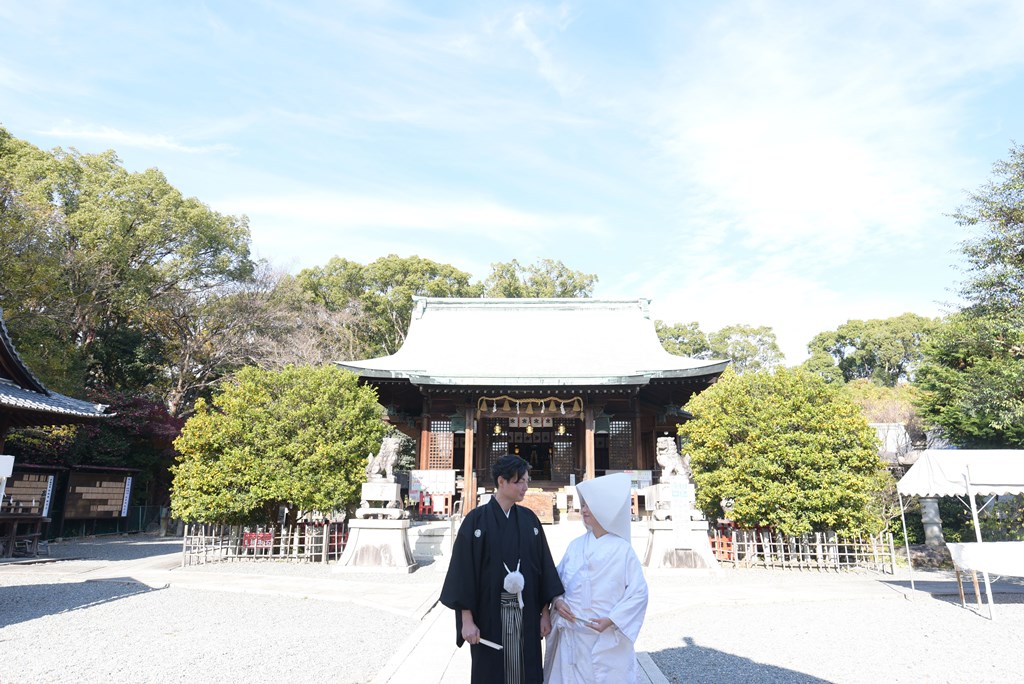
(588, 442)
(638, 442)
(424, 441)
(5, 425)
(469, 475)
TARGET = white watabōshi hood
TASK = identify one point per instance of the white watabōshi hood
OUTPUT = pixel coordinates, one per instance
(609, 500)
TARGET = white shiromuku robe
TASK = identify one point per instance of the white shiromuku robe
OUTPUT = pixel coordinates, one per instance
(602, 578)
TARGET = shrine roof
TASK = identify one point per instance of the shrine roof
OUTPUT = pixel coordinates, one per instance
(529, 342)
(24, 400)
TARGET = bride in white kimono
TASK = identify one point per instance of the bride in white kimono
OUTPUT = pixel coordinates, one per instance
(597, 620)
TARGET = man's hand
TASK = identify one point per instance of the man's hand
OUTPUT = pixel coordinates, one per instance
(470, 632)
(545, 622)
(599, 624)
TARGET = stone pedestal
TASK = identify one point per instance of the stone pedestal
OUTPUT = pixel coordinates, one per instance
(932, 522)
(379, 545)
(385, 491)
(685, 545)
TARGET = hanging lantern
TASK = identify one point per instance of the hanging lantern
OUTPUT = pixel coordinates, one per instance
(497, 429)
(561, 428)
(529, 429)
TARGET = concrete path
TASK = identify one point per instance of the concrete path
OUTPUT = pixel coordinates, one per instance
(429, 655)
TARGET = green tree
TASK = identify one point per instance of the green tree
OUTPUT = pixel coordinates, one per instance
(823, 365)
(749, 348)
(29, 275)
(886, 350)
(788, 451)
(298, 437)
(683, 339)
(547, 278)
(972, 381)
(109, 246)
(377, 297)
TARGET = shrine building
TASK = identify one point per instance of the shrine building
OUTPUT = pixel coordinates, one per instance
(27, 491)
(577, 387)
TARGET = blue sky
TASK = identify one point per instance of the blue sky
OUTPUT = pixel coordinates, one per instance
(783, 164)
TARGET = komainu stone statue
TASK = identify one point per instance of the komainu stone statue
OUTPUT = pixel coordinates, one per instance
(672, 464)
(385, 460)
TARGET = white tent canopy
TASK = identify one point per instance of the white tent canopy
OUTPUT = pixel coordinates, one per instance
(965, 473)
(943, 472)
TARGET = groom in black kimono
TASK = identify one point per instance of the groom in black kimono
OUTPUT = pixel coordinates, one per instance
(482, 583)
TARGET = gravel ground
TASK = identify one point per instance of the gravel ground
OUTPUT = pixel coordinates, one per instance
(853, 639)
(739, 626)
(54, 628)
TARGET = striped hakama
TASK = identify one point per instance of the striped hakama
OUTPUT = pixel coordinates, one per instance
(512, 637)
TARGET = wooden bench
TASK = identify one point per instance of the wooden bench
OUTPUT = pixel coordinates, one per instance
(27, 544)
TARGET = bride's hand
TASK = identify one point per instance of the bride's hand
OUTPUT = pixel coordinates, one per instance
(563, 609)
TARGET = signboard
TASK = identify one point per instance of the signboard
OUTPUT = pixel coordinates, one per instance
(257, 540)
(127, 495)
(29, 492)
(49, 495)
(639, 479)
(93, 496)
(430, 482)
(6, 470)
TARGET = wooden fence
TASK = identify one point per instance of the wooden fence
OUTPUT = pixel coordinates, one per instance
(818, 551)
(318, 543)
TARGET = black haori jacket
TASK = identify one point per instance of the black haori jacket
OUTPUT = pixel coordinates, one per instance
(486, 542)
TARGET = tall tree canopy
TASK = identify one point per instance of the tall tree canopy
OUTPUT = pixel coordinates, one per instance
(547, 278)
(99, 248)
(972, 380)
(749, 348)
(788, 450)
(683, 339)
(885, 350)
(298, 437)
(378, 296)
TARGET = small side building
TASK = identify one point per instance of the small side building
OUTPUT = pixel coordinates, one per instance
(25, 402)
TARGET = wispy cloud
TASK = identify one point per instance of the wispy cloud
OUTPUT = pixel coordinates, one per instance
(116, 137)
(460, 216)
(481, 219)
(804, 138)
(808, 139)
(522, 28)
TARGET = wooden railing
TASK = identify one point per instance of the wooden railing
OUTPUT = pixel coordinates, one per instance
(818, 551)
(318, 543)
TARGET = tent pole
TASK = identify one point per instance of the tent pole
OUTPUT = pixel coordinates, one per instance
(906, 542)
(977, 534)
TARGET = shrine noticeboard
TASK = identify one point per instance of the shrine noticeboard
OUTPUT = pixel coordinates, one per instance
(639, 479)
(93, 496)
(431, 482)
